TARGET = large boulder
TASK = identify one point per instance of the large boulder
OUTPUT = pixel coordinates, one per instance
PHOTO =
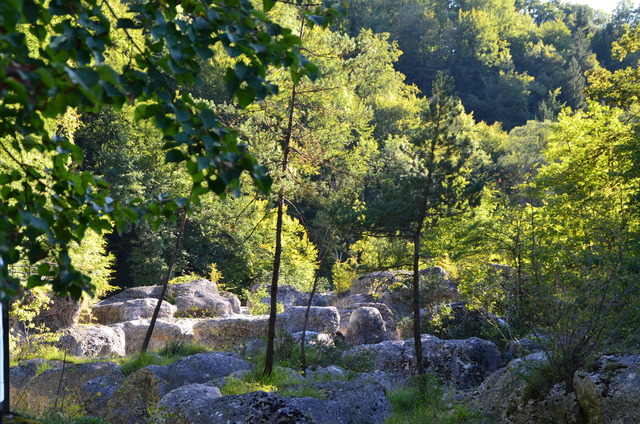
(366, 326)
(290, 296)
(199, 298)
(227, 332)
(164, 332)
(92, 340)
(185, 401)
(345, 402)
(608, 392)
(132, 402)
(322, 319)
(386, 314)
(464, 363)
(110, 311)
(75, 388)
(61, 312)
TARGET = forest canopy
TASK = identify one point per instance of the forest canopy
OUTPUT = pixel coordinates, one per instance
(482, 134)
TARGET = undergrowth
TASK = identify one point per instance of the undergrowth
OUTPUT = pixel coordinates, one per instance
(169, 354)
(426, 400)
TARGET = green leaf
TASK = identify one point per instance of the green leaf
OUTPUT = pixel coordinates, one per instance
(246, 96)
(175, 155)
(267, 5)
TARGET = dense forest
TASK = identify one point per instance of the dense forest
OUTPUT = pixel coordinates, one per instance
(475, 135)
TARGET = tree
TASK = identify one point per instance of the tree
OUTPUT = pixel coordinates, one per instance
(54, 59)
(425, 178)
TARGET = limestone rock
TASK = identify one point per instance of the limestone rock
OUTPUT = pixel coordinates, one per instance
(60, 313)
(77, 388)
(199, 297)
(290, 296)
(185, 401)
(234, 301)
(464, 363)
(366, 326)
(322, 319)
(164, 332)
(110, 311)
(227, 332)
(92, 340)
(131, 402)
(386, 313)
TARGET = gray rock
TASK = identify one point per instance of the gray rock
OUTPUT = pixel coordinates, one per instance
(135, 397)
(199, 297)
(227, 332)
(184, 401)
(164, 332)
(92, 340)
(234, 301)
(346, 402)
(322, 319)
(366, 326)
(464, 363)
(22, 374)
(60, 313)
(386, 313)
(290, 296)
(110, 311)
(76, 388)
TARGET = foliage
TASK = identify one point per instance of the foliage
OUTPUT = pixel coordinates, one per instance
(46, 209)
(256, 305)
(427, 400)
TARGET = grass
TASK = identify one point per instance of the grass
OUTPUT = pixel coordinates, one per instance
(172, 352)
(427, 400)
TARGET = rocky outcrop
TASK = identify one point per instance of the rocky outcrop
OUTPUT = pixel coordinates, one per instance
(111, 312)
(164, 332)
(322, 319)
(199, 297)
(351, 304)
(290, 296)
(92, 340)
(78, 388)
(344, 402)
(185, 401)
(366, 326)
(607, 393)
(464, 363)
(224, 333)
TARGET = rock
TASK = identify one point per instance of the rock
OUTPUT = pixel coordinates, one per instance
(227, 332)
(609, 392)
(22, 374)
(464, 363)
(198, 369)
(234, 301)
(164, 332)
(185, 401)
(290, 296)
(199, 298)
(61, 312)
(110, 311)
(332, 372)
(366, 326)
(75, 388)
(346, 402)
(313, 338)
(322, 319)
(386, 313)
(92, 340)
(132, 401)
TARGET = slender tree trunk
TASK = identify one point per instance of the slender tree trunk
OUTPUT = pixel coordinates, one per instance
(271, 331)
(417, 332)
(156, 311)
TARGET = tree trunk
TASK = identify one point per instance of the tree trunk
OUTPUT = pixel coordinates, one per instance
(271, 331)
(156, 311)
(416, 301)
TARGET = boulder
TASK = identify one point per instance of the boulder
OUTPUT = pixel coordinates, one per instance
(234, 301)
(464, 363)
(185, 401)
(82, 389)
(164, 332)
(322, 319)
(135, 397)
(21, 375)
(111, 311)
(366, 326)
(199, 298)
(290, 296)
(380, 282)
(60, 313)
(92, 340)
(227, 332)
(346, 402)
(386, 313)
(608, 392)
